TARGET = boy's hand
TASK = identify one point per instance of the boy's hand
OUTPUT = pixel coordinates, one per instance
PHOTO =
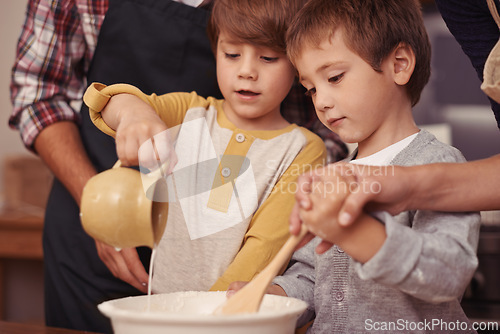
(303, 201)
(327, 194)
(139, 127)
(361, 240)
(295, 225)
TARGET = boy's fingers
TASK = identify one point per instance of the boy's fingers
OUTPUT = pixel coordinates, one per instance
(120, 151)
(235, 287)
(304, 186)
(173, 162)
(295, 220)
(162, 146)
(295, 226)
(303, 189)
(147, 154)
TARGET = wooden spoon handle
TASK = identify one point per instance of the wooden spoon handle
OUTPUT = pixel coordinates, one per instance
(249, 298)
(283, 255)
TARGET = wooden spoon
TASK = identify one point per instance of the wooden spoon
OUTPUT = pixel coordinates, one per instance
(249, 298)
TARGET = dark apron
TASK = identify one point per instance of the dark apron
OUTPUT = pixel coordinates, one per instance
(159, 46)
(472, 25)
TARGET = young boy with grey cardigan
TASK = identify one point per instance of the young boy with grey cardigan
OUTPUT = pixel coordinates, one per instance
(406, 273)
(413, 283)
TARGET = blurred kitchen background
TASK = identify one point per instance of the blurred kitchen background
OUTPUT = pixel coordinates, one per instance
(452, 106)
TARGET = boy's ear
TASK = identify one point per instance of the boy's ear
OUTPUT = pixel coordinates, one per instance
(403, 60)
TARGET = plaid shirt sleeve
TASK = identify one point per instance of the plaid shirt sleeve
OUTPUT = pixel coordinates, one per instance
(298, 108)
(53, 54)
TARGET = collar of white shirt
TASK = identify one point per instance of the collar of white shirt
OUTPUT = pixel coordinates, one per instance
(386, 155)
(192, 3)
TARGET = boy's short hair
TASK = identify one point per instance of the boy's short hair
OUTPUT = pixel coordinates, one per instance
(258, 22)
(372, 29)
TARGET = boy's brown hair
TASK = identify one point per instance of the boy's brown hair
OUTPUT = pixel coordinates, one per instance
(372, 29)
(258, 22)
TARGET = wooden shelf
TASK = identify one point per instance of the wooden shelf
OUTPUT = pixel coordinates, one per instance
(20, 235)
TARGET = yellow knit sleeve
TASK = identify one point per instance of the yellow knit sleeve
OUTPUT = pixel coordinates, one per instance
(269, 228)
(171, 107)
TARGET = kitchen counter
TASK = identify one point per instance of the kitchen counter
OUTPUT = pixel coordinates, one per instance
(17, 328)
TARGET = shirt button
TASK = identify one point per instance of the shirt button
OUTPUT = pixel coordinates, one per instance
(339, 295)
(226, 172)
(240, 137)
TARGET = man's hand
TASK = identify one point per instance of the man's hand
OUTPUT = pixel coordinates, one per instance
(378, 188)
(124, 264)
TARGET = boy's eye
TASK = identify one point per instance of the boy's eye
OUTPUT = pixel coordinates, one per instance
(336, 78)
(269, 59)
(231, 55)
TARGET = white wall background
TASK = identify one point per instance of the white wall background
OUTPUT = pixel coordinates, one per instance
(11, 20)
(23, 279)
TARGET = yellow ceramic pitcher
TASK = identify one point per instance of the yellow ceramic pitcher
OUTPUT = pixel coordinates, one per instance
(115, 209)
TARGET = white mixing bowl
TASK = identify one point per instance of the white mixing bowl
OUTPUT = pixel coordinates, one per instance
(191, 313)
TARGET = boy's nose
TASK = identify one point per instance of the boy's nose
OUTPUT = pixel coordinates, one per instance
(248, 70)
(323, 102)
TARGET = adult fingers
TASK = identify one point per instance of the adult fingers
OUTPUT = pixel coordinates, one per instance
(107, 255)
(135, 267)
(117, 265)
(126, 275)
(352, 207)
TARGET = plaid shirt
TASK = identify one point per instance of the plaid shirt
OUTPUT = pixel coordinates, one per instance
(54, 52)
